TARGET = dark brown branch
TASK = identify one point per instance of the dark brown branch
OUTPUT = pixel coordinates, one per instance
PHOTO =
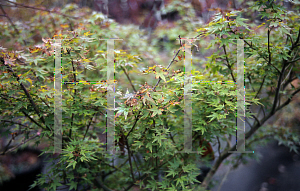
(7, 121)
(294, 60)
(228, 64)
(22, 143)
(285, 63)
(248, 123)
(129, 79)
(250, 81)
(291, 39)
(40, 9)
(296, 42)
(167, 68)
(87, 129)
(260, 87)
(116, 168)
(75, 93)
(136, 120)
(9, 19)
(289, 100)
(136, 165)
(257, 121)
(129, 158)
(31, 119)
(289, 81)
(269, 51)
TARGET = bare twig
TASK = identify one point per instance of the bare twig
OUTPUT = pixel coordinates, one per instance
(22, 143)
(7, 121)
(9, 19)
(129, 79)
(87, 129)
(40, 9)
(167, 68)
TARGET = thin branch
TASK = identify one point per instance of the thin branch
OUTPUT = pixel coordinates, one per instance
(289, 99)
(290, 38)
(7, 121)
(88, 127)
(116, 168)
(294, 60)
(31, 119)
(246, 119)
(136, 120)
(136, 165)
(75, 93)
(228, 141)
(129, 158)
(129, 79)
(11, 22)
(269, 51)
(278, 89)
(40, 9)
(296, 42)
(22, 143)
(167, 68)
(250, 81)
(260, 87)
(256, 119)
(288, 75)
(228, 64)
(288, 82)
(223, 179)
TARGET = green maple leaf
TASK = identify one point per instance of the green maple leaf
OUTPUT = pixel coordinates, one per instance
(73, 185)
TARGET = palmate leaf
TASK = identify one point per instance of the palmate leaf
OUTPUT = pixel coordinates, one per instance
(73, 185)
